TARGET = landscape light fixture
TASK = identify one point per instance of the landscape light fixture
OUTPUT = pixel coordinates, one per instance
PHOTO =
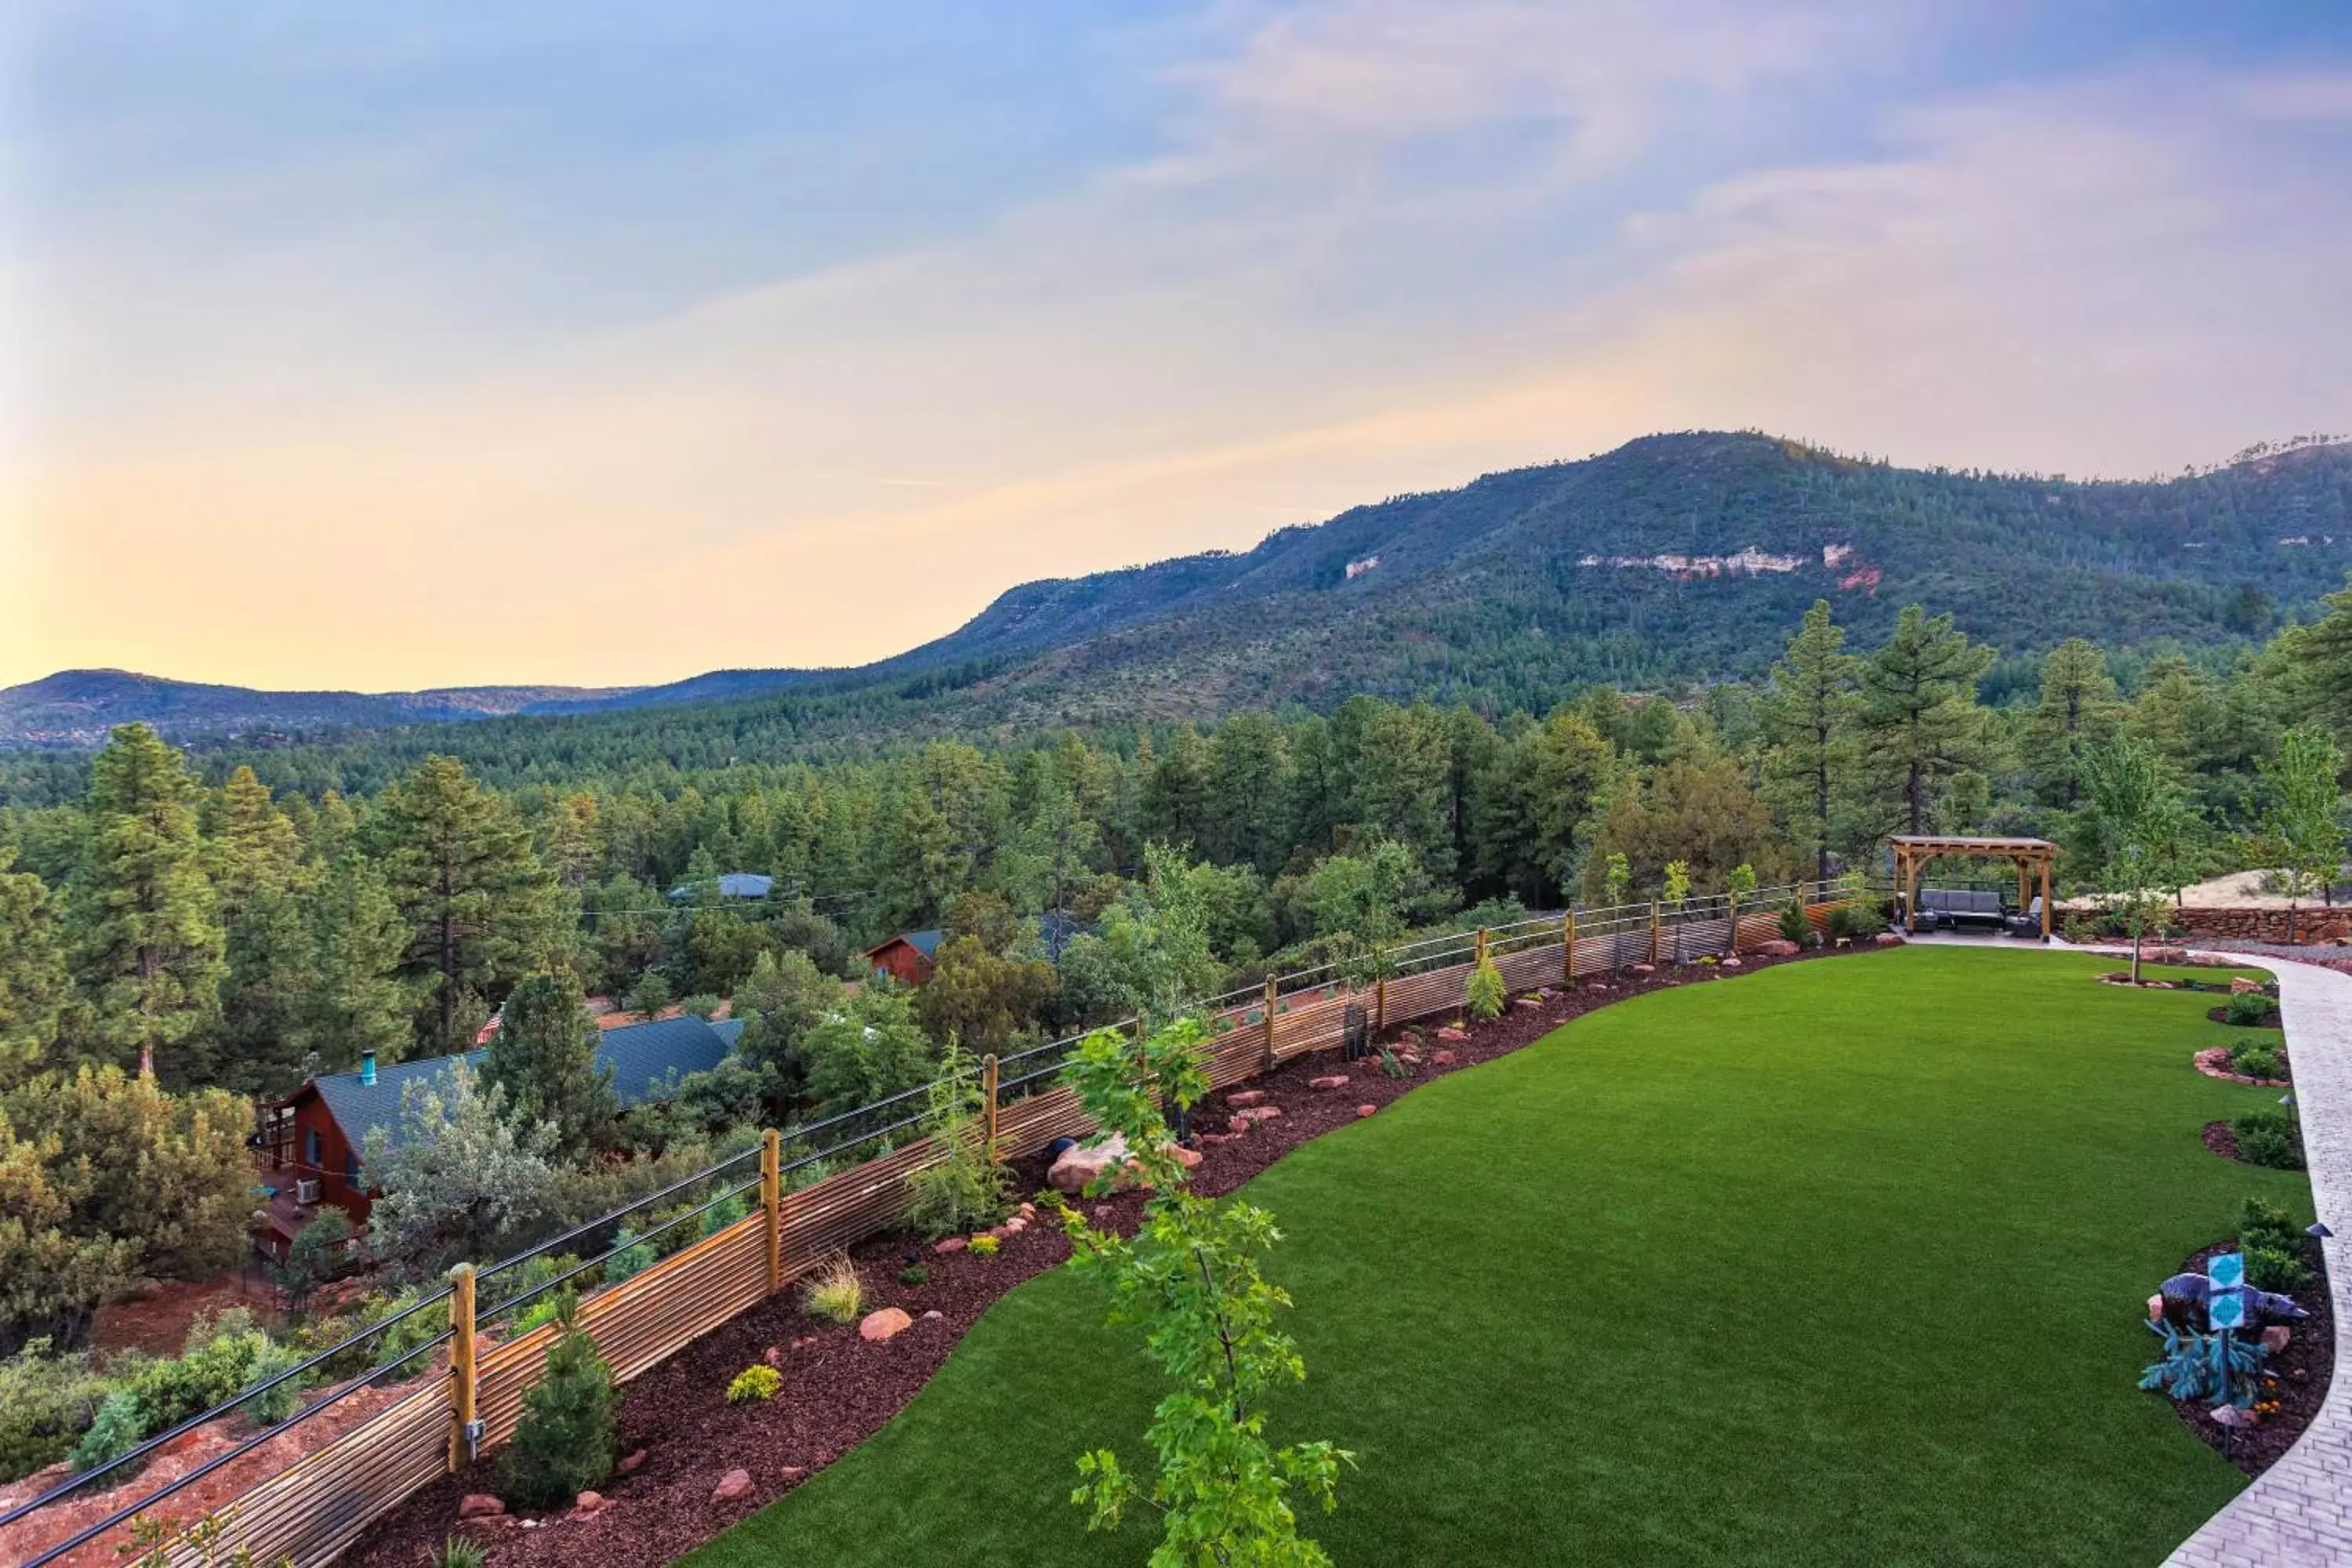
(2317, 1231)
(2287, 1099)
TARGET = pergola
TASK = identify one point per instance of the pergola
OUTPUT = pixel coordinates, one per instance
(2031, 856)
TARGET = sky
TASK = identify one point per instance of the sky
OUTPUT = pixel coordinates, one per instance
(383, 347)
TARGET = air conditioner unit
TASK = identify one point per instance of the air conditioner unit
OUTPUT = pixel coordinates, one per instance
(306, 1193)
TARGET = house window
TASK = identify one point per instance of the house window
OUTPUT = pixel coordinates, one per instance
(351, 1172)
(310, 1153)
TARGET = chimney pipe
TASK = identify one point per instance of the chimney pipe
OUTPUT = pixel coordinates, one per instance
(367, 1066)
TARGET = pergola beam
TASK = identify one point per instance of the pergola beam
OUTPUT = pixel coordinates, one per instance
(1914, 850)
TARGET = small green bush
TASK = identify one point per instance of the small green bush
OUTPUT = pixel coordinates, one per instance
(837, 1295)
(1484, 995)
(2273, 1268)
(914, 1274)
(46, 1402)
(702, 1004)
(117, 1429)
(2265, 1224)
(754, 1383)
(2257, 1060)
(1794, 926)
(564, 1443)
(2250, 1009)
(965, 1189)
(985, 1245)
(2268, 1138)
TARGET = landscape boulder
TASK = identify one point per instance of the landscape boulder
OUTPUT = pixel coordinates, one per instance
(1329, 1081)
(1259, 1113)
(734, 1484)
(1082, 1162)
(589, 1502)
(1528, 1002)
(1889, 939)
(878, 1326)
(2241, 987)
(1444, 1058)
(1643, 968)
(1244, 1097)
(480, 1505)
(1453, 1034)
(1364, 1111)
(1732, 962)
(636, 1459)
(2276, 1338)
(951, 1243)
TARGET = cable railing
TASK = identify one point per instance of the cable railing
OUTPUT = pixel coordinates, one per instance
(1578, 933)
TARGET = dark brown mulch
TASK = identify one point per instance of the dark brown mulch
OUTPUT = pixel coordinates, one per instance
(2296, 1378)
(2221, 1140)
(839, 1390)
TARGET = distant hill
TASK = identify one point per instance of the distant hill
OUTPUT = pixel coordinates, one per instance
(76, 706)
(1674, 557)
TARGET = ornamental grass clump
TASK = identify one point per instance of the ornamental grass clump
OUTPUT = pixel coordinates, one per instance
(836, 1294)
(564, 1443)
(1190, 1279)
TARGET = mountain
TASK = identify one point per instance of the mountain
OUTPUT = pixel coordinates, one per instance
(1684, 556)
(77, 705)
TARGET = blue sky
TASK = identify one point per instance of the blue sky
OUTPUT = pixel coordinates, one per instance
(391, 346)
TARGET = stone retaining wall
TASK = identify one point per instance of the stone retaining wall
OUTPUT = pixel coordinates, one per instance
(2314, 924)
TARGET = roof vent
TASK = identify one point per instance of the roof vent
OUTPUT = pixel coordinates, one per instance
(367, 1066)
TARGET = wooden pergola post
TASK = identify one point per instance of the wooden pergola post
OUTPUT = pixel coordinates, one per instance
(2045, 898)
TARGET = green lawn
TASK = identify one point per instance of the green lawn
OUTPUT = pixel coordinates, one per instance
(1840, 1263)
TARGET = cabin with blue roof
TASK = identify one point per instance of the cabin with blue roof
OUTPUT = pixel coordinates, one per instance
(313, 1139)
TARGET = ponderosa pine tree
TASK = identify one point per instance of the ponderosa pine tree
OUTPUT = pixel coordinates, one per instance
(35, 987)
(144, 932)
(1807, 714)
(544, 1057)
(1248, 777)
(481, 909)
(2078, 709)
(354, 1001)
(1917, 717)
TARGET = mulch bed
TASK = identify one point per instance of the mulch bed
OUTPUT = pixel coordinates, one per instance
(2297, 1376)
(840, 1390)
(2221, 1140)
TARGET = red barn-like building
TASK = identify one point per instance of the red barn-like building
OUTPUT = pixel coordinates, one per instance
(905, 957)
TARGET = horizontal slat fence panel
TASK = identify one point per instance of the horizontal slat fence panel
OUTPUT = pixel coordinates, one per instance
(319, 1506)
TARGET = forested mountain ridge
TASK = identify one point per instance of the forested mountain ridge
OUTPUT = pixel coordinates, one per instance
(79, 706)
(1674, 557)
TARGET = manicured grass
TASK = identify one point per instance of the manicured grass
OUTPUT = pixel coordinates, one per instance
(1840, 1263)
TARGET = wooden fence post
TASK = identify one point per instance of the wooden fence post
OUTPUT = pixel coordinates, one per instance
(1731, 907)
(1380, 1005)
(1654, 934)
(463, 1381)
(1273, 996)
(772, 1203)
(988, 1090)
(1567, 951)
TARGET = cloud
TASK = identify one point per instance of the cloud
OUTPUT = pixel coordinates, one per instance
(1378, 252)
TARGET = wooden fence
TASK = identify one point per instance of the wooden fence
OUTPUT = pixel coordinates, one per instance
(313, 1511)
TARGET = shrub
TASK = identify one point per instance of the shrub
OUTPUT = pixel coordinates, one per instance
(2257, 1060)
(634, 1257)
(754, 1383)
(1794, 926)
(702, 1004)
(114, 1432)
(985, 1245)
(914, 1274)
(2273, 1268)
(836, 1294)
(47, 1402)
(2250, 1009)
(719, 1216)
(2262, 1224)
(458, 1551)
(564, 1443)
(1483, 996)
(2268, 1138)
(964, 1190)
